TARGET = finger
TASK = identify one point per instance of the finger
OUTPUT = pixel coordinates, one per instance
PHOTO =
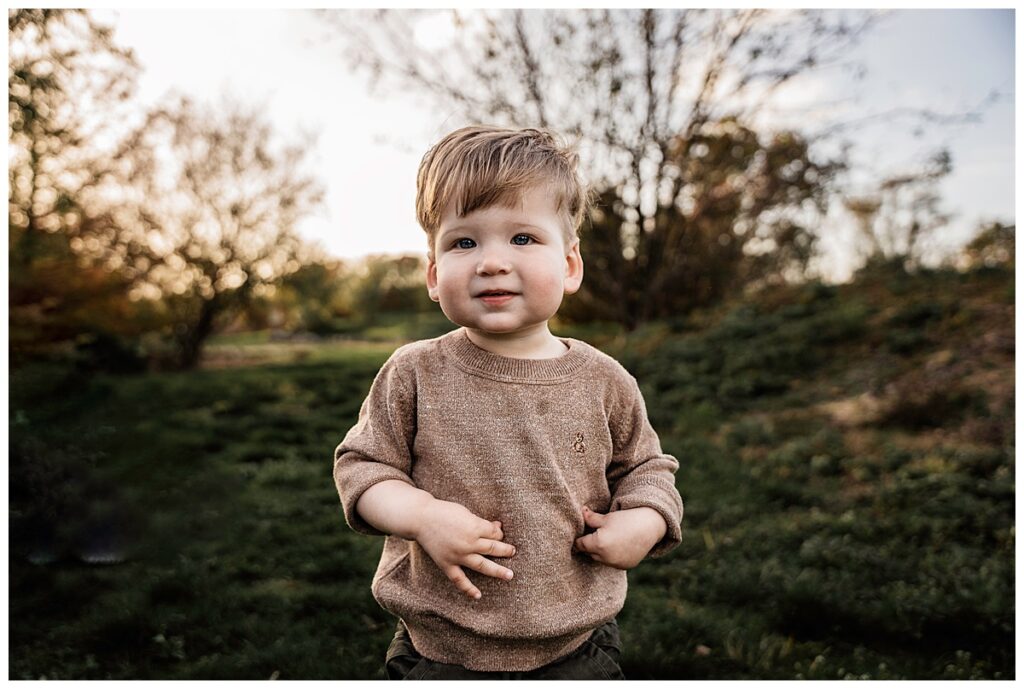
(496, 533)
(593, 519)
(595, 556)
(592, 543)
(588, 543)
(462, 582)
(486, 546)
(479, 563)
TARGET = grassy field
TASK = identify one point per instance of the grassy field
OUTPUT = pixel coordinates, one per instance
(846, 464)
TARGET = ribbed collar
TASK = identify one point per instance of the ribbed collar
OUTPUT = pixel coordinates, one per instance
(473, 359)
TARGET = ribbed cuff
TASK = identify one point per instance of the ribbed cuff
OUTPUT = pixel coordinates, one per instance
(665, 502)
(351, 485)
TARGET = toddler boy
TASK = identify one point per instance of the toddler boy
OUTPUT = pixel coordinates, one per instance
(486, 454)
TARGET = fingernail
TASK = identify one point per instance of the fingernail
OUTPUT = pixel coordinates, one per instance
(508, 575)
(476, 596)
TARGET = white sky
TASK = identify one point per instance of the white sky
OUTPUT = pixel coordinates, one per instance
(369, 147)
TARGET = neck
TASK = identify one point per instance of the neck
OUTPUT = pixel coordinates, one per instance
(535, 343)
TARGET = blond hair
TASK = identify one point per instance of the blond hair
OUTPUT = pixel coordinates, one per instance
(478, 167)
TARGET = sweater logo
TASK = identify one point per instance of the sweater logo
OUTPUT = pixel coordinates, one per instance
(578, 444)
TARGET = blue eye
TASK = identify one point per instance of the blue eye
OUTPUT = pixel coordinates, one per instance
(522, 239)
(465, 243)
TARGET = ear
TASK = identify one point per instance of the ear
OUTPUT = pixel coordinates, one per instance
(573, 268)
(432, 279)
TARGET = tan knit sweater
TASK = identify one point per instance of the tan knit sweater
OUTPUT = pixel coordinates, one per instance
(529, 443)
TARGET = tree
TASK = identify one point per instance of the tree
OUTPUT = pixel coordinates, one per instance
(69, 88)
(312, 297)
(67, 85)
(899, 217)
(217, 201)
(389, 284)
(658, 100)
(693, 253)
(992, 246)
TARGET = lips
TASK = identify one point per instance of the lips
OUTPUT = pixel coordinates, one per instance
(495, 297)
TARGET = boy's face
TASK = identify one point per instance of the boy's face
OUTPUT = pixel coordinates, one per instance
(504, 270)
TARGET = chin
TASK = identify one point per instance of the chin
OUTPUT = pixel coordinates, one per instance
(494, 326)
(493, 329)
(474, 322)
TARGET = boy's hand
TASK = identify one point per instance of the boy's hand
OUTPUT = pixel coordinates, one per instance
(454, 538)
(623, 538)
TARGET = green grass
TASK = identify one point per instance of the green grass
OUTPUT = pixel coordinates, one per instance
(811, 549)
(241, 564)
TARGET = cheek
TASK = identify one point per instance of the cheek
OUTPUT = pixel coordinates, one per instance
(553, 285)
(449, 285)
(446, 294)
(553, 278)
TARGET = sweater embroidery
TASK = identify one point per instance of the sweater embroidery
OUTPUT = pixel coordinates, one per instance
(578, 445)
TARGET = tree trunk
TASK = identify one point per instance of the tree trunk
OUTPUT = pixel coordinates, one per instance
(195, 336)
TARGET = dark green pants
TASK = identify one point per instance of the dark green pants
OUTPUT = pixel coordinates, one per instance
(597, 658)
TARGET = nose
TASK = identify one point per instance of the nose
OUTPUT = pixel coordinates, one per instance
(493, 262)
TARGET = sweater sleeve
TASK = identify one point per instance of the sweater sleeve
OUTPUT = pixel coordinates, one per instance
(640, 474)
(379, 447)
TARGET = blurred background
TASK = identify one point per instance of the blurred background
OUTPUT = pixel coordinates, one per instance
(802, 247)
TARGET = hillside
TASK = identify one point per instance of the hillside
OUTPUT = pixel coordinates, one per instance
(847, 466)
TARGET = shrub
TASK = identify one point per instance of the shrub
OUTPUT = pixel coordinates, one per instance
(749, 354)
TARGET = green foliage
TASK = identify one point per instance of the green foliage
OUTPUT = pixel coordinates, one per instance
(801, 458)
(390, 327)
(387, 284)
(751, 352)
(916, 314)
(221, 469)
(375, 298)
(310, 298)
(811, 549)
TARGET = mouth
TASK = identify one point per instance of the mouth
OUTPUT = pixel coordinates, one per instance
(495, 297)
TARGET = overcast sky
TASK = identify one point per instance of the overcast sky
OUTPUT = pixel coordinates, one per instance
(369, 147)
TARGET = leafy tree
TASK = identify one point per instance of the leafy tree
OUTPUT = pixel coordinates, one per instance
(216, 201)
(389, 284)
(664, 104)
(333, 296)
(697, 250)
(69, 87)
(313, 297)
